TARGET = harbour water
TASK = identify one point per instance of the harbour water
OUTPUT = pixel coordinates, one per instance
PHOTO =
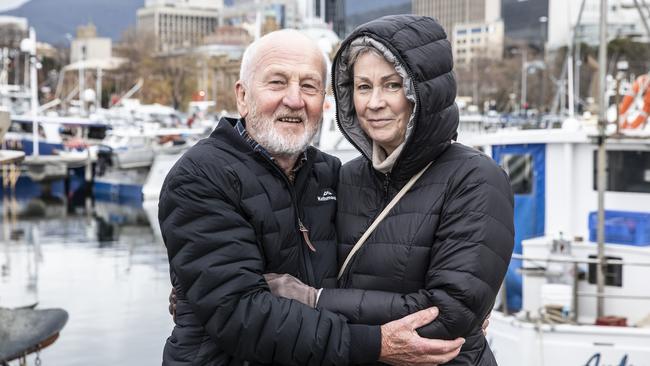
(104, 266)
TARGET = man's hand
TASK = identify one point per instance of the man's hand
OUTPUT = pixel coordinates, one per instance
(486, 322)
(172, 303)
(401, 345)
(286, 285)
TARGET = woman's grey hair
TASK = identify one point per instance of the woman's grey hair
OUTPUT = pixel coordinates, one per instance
(250, 55)
(357, 50)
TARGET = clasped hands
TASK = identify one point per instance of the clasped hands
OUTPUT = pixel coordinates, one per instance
(400, 342)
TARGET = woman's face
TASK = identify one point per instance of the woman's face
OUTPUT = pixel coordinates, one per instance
(382, 108)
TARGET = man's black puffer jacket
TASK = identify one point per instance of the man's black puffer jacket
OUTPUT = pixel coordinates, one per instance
(449, 240)
(228, 214)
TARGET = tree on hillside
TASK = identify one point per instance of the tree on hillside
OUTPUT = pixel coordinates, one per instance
(168, 79)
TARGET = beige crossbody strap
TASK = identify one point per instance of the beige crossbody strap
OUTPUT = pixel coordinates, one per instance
(379, 218)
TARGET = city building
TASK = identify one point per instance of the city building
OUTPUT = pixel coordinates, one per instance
(525, 22)
(87, 46)
(452, 12)
(623, 19)
(332, 11)
(355, 13)
(12, 31)
(477, 40)
(474, 27)
(245, 13)
(179, 24)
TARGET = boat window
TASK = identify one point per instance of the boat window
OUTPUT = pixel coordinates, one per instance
(613, 272)
(626, 171)
(520, 169)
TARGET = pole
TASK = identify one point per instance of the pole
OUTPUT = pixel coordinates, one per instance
(602, 123)
(642, 16)
(82, 80)
(33, 84)
(98, 89)
(577, 57)
(570, 84)
(524, 72)
(322, 10)
(258, 21)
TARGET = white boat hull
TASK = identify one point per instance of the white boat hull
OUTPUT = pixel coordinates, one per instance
(515, 342)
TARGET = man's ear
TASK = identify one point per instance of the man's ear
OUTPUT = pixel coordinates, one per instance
(240, 93)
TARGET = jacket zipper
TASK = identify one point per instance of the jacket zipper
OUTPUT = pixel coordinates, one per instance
(386, 188)
(307, 265)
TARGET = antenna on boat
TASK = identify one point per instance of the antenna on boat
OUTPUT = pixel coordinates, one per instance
(601, 160)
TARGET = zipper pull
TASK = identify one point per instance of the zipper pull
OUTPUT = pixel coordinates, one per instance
(386, 183)
(305, 235)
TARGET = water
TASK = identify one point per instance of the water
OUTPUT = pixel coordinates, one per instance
(105, 267)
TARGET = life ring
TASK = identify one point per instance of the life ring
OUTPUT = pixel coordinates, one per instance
(640, 90)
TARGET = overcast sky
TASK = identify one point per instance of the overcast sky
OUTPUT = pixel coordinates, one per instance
(10, 4)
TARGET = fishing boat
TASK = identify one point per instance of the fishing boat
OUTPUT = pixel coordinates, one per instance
(548, 315)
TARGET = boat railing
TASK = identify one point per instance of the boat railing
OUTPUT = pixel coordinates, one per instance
(576, 261)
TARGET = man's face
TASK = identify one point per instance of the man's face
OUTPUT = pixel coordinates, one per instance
(283, 100)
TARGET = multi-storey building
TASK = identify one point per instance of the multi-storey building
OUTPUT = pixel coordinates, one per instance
(623, 19)
(355, 13)
(179, 24)
(477, 40)
(87, 46)
(525, 21)
(474, 27)
(452, 12)
(12, 31)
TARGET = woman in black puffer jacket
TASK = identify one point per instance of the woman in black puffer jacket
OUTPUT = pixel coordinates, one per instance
(448, 241)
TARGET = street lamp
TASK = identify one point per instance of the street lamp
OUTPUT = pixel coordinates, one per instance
(526, 68)
(543, 21)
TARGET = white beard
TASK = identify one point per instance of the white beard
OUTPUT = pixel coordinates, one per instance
(275, 142)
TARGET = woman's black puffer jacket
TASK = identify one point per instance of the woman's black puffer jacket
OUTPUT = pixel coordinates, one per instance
(448, 241)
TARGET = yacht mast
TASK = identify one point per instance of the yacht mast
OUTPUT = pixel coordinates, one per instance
(602, 124)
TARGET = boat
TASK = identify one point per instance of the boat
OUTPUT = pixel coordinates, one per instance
(24, 331)
(125, 158)
(548, 311)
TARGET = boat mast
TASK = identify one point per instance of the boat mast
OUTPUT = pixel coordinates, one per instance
(602, 124)
(576, 58)
(643, 20)
(33, 85)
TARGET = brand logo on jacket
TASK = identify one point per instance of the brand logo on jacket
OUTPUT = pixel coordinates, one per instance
(326, 195)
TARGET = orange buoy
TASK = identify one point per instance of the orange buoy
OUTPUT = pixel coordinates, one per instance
(629, 105)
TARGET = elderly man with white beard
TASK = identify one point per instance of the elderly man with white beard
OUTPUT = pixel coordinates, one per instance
(244, 202)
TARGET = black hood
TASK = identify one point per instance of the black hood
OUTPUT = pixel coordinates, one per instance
(420, 44)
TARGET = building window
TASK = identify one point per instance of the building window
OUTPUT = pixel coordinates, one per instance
(627, 171)
(520, 169)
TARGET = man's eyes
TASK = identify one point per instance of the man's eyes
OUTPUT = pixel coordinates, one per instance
(309, 88)
(306, 87)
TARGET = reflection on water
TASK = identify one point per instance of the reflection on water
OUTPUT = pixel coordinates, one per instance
(105, 267)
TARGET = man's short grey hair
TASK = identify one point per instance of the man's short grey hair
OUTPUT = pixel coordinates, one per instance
(247, 68)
